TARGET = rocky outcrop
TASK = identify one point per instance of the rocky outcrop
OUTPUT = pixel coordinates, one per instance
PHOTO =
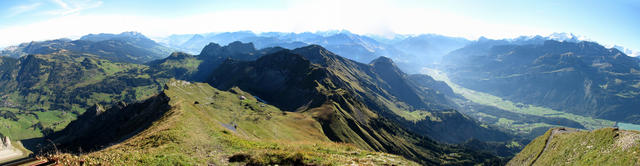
(7, 151)
(5, 142)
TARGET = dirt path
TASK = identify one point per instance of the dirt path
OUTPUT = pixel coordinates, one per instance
(553, 132)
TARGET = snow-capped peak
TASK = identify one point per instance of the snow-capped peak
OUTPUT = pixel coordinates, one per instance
(566, 37)
(629, 52)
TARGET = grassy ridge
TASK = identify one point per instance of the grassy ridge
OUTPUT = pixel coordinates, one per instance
(607, 146)
(199, 129)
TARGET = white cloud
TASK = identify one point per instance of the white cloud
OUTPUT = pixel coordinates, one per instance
(73, 6)
(61, 3)
(17, 10)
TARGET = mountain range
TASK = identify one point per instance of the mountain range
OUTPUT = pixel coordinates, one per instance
(410, 51)
(373, 107)
(131, 47)
(316, 98)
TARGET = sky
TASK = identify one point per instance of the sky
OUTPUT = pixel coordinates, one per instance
(609, 22)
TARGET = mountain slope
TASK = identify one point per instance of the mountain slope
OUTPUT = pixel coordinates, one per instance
(42, 93)
(582, 78)
(317, 74)
(347, 98)
(562, 146)
(131, 47)
(193, 123)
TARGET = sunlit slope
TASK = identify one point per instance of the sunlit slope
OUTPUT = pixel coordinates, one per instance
(561, 146)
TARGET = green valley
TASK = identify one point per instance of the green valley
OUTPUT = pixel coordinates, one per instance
(43, 93)
(515, 125)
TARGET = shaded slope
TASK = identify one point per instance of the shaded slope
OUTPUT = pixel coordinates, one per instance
(346, 97)
(384, 88)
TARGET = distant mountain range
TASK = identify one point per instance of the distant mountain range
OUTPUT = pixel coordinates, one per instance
(125, 47)
(410, 51)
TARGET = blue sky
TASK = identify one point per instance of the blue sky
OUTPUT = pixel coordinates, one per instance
(610, 22)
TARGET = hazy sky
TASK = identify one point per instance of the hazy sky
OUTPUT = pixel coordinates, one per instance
(605, 21)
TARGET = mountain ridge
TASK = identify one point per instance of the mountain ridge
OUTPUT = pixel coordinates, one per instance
(333, 75)
(232, 130)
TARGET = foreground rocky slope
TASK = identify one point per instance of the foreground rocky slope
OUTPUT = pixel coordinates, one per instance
(564, 146)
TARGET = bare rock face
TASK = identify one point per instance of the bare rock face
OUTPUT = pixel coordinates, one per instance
(5, 142)
(7, 151)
